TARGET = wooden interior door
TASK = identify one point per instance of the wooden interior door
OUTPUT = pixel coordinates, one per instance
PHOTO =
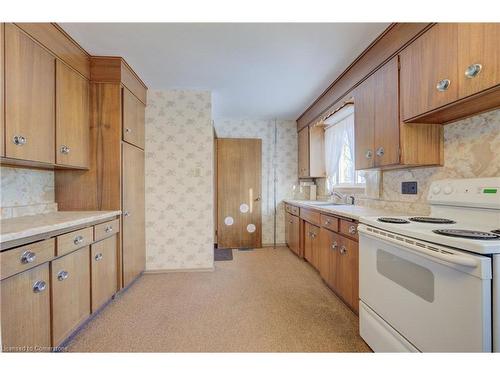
(133, 233)
(239, 173)
(29, 98)
(70, 281)
(72, 117)
(479, 43)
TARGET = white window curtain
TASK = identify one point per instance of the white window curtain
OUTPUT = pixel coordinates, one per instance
(339, 149)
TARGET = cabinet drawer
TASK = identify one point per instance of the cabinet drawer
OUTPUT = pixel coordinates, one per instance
(349, 228)
(330, 222)
(311, 216)
(106, 229)
(294, 210)
(74, 240)
(25, 257)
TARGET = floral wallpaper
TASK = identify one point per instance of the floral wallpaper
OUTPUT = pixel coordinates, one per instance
(283, 156)
(179, 180)
(471, 149)
(26, 192)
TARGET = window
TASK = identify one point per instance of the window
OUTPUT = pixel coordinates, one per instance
(339, 150)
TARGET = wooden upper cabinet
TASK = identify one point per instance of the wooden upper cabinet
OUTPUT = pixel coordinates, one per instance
(134, 252)
(72, 114)
(133, 119)
(478, 57)
(26, 307)
(429, 71)
(303, 143)
(364, 124)
(386, 146)
(29, 98)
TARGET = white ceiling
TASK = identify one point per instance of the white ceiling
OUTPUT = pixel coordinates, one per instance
(260, 71)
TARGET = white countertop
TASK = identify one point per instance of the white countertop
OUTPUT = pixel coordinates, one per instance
(27, 226)
(345, 210)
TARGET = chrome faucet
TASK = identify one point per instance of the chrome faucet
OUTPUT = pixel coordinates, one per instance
(343, 197)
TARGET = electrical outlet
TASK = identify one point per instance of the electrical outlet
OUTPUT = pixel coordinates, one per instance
(409, 187)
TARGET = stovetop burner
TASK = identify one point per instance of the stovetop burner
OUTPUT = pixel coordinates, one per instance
(469, 234)
(496, 231)
(432, 220)
(393, 220)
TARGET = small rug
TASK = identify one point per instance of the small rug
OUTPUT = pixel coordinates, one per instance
(223, 254)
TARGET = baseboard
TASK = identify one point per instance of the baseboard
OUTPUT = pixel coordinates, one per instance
(272, 245)
(153, 272)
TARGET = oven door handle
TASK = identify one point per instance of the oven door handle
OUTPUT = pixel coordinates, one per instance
(452, 258)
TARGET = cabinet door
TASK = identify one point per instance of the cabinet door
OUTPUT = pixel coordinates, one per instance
(364, 124)
(133, 119)
(29, 98)
(26, 310)
(429, 62)
(70, 280)
(103, 265)
(386, 135)
(295, 234)
(317, 151)
(134, 254)
(479, 43)
(288, 227)
(303, 142)
(308, 245)
(329, 248)
(72, 117)
(347, 281)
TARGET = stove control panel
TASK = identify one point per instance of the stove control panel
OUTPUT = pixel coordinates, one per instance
(466, 192)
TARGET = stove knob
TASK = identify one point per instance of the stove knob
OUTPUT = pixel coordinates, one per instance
(436, 190)
(448, 189)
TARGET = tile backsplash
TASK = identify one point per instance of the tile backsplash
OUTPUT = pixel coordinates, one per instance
(26, 192)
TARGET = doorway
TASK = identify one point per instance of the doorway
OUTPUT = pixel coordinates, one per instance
(239, 196)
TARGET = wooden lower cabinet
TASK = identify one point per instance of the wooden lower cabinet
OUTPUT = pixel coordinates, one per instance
(292, 233)
(70, 285)
(311, 244)
(103, 256)
(26, 307)
(338, 266)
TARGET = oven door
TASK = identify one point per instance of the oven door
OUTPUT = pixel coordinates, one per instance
(437, 299)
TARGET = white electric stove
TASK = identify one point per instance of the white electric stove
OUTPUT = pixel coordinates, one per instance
(432, 284)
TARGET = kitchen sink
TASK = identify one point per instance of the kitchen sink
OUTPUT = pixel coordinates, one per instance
(323, 204)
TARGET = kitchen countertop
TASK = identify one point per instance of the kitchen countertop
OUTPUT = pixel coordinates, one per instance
(346, 210)
(28, 226)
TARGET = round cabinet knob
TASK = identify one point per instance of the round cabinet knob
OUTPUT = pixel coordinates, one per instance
(368, 154)
(28, 257)
(19, 140)
(443, 85)
(473, 70)
(334, 245)
(436, 190)
(39, 286)
(128, 130)
(343, 250)
(62, 275)
(327, 222)
(98, 257)
(108, 229)
(65, 149)
(126, 214)
(448, 189)
(352, 229)
(78, 240)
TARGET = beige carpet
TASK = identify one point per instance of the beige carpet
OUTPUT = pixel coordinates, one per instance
(263, 301)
